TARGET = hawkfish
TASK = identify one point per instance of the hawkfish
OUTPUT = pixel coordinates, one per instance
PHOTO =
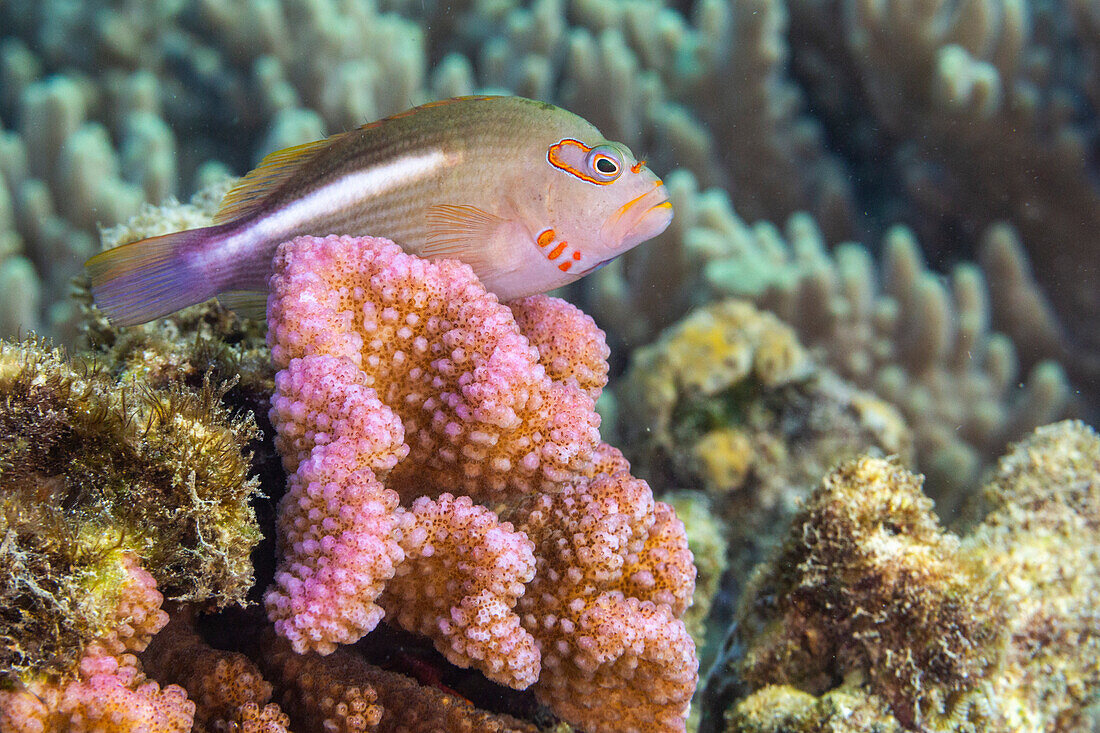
(531, 196)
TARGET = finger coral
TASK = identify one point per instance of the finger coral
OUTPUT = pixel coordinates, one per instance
(872, 606)
(894, 327)
(336, 520)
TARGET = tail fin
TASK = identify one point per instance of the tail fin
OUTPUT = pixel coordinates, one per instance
(151, 278)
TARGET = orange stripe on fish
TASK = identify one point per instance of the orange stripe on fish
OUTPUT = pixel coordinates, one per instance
(556, 252)
(630, 204)
(545, 237)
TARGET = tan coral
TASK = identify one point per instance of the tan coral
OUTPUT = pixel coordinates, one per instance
(227, 688)
(344, 694)
(612, 576)
(462, 574)
(977, 91)
(902, 602)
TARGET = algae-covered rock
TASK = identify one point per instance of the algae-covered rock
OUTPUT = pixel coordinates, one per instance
(786, 709)
(204, 340)
(869, 600)
(90, 466)
(728, 402)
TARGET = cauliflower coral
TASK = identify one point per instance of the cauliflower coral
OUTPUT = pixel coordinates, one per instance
(447, 473)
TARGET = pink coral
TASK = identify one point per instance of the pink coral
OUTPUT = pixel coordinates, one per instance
(138, 615)
(108, 693)
(113, 695)
(571, 348)
(336, 521)
(481, 415)
(464, 571)
(583, 594)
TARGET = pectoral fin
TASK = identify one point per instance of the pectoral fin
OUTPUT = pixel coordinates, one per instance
(484, 241)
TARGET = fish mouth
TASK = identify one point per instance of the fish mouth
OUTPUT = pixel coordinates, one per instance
(639, 219)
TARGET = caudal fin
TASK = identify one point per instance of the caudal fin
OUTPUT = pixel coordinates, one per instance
(151, 278)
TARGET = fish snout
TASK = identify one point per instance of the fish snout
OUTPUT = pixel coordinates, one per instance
(639, 219)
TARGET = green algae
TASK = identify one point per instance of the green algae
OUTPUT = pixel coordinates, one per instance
(90, 466)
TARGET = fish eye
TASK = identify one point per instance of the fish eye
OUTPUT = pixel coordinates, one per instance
(605, 163)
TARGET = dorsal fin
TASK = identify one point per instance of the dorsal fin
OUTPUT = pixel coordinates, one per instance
(273, 171)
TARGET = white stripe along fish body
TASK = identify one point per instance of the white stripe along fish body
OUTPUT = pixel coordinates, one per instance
(529, 195)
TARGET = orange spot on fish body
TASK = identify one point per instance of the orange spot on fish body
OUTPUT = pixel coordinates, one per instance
(545, 237)
(556, 252)
(576, 254)
(564, 267)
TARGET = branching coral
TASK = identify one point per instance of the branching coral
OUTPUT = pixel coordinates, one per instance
(463, 573)
(481, 416)
(378, 346)
(991, 632)
(981, 106)
(895, 328)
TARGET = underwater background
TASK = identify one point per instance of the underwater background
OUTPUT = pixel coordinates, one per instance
(884, 264)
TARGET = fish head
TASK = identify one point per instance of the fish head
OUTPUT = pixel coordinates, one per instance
(608, 198)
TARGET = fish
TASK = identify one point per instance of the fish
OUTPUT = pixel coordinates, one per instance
(528, 194)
